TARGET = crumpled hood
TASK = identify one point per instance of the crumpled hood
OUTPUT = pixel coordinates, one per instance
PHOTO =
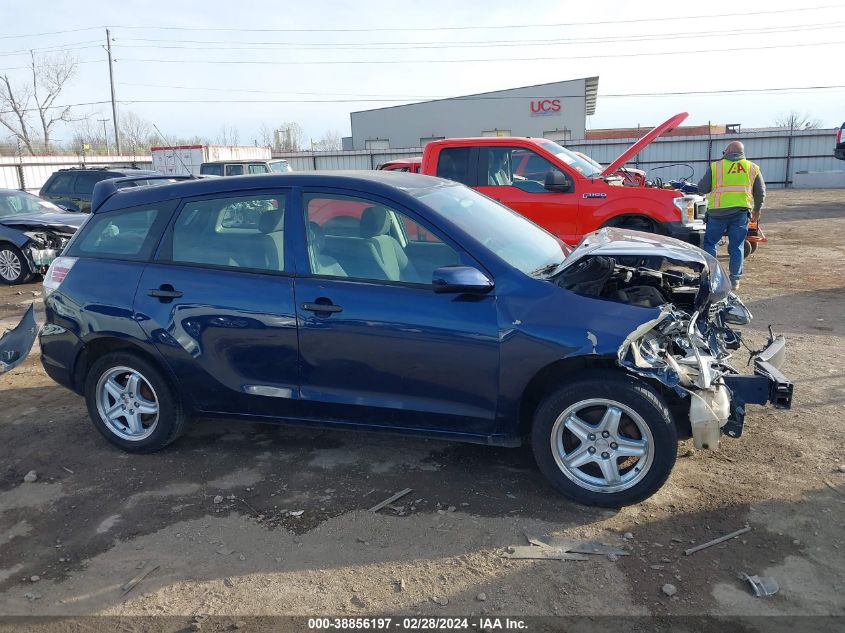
(61, 222)
(609, 241)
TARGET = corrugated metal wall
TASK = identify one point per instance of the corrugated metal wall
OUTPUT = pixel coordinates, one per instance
(37, 169)
(779, 154)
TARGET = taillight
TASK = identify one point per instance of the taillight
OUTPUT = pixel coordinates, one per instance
(57, 272)
(841, 136)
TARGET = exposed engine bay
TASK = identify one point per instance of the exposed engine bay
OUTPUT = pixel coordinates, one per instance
(688, 344)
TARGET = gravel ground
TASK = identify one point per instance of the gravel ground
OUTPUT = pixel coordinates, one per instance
(292, 534)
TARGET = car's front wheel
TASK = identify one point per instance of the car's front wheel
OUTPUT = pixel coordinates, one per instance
(133, 404)
(607, 440)
(14, 268)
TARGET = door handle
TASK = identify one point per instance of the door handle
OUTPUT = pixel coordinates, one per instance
(321, 307)
(164, 292)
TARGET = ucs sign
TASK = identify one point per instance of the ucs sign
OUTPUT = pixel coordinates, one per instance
(545, 107)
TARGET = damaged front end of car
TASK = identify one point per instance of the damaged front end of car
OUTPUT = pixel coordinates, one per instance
(688, 345)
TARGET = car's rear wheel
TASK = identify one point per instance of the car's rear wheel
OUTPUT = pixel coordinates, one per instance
(608, 440)
(133, 404)
(14, 268)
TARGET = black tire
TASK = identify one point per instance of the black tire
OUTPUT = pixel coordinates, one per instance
(637, 223)
(749, 248)
(172, 418)
(9, 253)
(646, 475)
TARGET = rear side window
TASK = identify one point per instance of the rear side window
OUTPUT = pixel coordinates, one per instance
(85, 182)
(234, 232)
(454, 163)
(126, 234)
(62, 183)
(211, 170)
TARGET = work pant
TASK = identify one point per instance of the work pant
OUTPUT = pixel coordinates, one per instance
(735, 226)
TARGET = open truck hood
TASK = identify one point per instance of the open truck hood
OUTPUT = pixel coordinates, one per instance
(637, 147)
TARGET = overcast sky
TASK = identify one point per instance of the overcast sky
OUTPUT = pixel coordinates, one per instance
(785, 49)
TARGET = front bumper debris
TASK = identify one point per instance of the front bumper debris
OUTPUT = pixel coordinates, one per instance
(767, 385)
(16, 343)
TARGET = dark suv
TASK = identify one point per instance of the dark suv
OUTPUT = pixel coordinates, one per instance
(71, 188)
(384, 300)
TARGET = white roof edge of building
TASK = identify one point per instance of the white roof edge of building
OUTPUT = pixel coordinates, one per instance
(591, 89)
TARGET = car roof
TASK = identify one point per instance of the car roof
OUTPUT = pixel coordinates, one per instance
(237, 161)
(128, 171)
(375, 182)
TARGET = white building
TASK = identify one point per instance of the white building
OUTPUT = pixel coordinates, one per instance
(555, 111)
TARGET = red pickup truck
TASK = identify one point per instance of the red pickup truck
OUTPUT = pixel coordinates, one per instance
(559, 190)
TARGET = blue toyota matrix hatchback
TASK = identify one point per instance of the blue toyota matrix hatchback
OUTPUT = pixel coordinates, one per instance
(398, 301)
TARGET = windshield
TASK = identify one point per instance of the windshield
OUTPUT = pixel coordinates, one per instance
(19, 203)
(588, 168)
(519, 242)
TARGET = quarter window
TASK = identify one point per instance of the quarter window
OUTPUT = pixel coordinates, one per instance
(126, 234)
(238, 232)
(363, 239)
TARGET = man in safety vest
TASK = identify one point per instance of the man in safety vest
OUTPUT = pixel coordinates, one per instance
(737, 192)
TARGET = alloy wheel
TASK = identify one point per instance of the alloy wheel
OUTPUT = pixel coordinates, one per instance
(10, 265)
(602, 445)
(127, 403)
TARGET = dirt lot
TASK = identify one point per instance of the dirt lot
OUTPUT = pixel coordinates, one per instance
(96, 517)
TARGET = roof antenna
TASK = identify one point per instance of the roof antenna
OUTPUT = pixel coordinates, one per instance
(173, 149)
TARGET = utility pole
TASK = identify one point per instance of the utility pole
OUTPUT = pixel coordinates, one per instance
(105, 134)
(113, 102)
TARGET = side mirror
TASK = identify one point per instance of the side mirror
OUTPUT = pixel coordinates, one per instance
(460, 279)
(558, 181)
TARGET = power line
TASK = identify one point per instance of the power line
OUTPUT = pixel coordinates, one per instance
(467, 98)
(488, 27)
(291, 46)
(489, 97)
(265, 62)
(684, 18)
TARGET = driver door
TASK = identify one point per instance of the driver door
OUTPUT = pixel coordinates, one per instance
(515, 176)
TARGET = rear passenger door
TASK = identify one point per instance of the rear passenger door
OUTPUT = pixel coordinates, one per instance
(218, 302)
(377, 345)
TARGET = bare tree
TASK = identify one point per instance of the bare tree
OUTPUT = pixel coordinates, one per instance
(330, 141)
(290, 137)
(798, 121)
(229, 135)
(135, 131)
(28, 109)
(88, 131)
(265, 135)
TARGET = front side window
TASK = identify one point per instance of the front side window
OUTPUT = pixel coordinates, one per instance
(125, 234)
(259, 168)
(518, 241)
(234, 170)
(280, 166)
(376, 243)
(516, 167)
(235, 232)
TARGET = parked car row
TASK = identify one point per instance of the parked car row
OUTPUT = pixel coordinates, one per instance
(404, 302)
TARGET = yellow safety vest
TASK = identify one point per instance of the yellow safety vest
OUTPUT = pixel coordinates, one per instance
(732, 183)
